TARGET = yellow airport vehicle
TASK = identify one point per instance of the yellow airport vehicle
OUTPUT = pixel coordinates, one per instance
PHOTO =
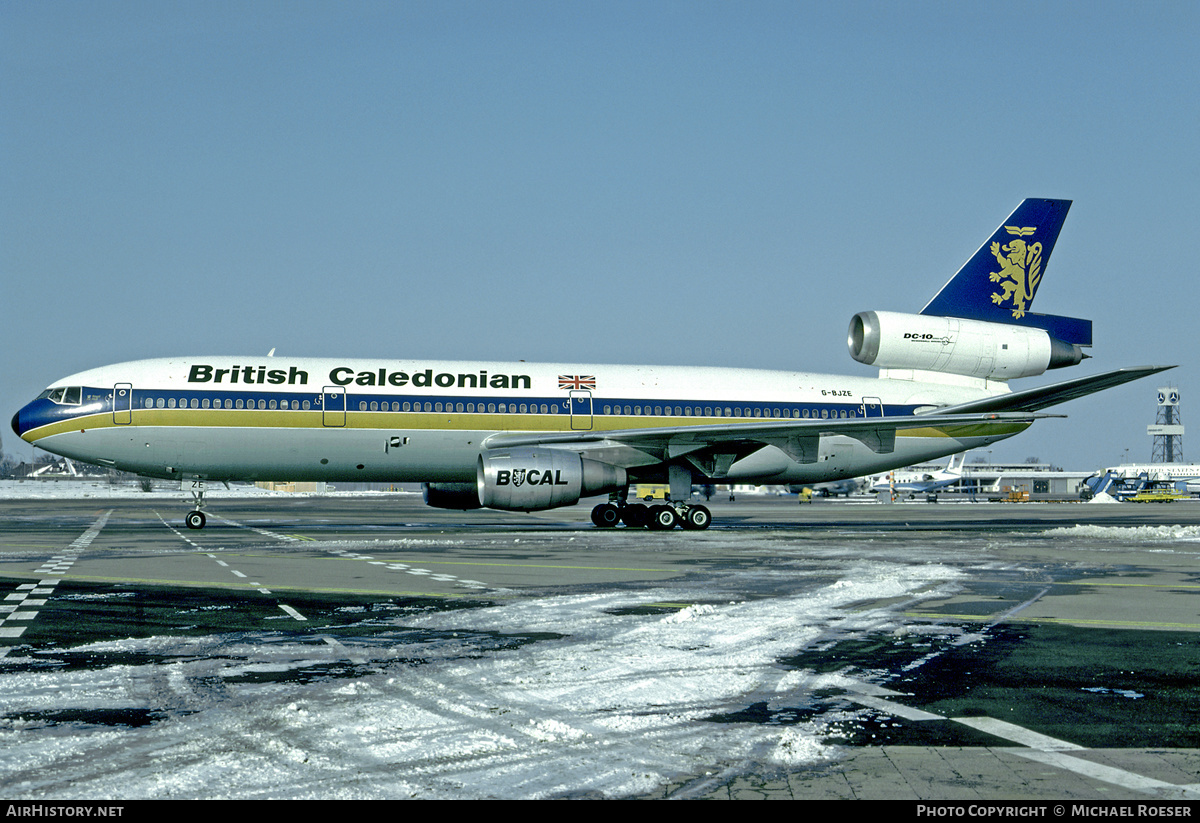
(1153, 495)
(651, 491)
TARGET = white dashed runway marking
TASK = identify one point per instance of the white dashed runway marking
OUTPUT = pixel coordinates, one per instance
(21, 606)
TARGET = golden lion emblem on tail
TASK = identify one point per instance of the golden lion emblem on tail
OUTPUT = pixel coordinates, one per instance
(1020, 270)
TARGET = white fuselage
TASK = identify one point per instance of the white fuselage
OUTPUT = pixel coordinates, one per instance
(261, 418)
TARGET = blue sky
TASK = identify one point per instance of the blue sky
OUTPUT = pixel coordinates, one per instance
(677, 183)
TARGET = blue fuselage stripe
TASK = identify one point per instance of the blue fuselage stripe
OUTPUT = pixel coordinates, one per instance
(97, 401)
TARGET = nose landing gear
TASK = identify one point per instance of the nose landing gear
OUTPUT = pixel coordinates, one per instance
(195, 519)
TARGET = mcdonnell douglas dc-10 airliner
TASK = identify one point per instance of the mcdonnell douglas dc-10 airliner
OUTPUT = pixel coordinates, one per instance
(526, 437)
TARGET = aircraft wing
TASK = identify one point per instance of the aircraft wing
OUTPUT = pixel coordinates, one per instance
(720, 444)
(1043, 397)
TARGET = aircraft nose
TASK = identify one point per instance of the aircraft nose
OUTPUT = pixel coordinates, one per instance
(22, 422)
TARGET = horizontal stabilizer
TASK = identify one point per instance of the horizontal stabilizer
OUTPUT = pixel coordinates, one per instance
(1074, 330)
(1032, 400)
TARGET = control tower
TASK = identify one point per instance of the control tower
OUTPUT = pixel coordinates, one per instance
(1167, 430)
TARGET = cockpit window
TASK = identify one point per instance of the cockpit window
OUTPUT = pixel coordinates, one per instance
(67, 396)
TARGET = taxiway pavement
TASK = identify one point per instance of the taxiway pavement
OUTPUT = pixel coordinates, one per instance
(1086, 688)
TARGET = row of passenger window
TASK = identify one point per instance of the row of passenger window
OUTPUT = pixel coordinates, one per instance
(363, 405)
(505, 408)
(469, 408)
(206, 403)
(731, 411)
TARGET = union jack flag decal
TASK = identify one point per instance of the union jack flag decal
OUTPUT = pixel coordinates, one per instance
(577, 381)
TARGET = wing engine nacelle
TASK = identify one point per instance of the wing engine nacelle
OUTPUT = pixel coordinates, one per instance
(975, 348)
(532, 479)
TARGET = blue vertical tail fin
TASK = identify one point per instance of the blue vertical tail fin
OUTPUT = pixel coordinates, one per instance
(1000, 280)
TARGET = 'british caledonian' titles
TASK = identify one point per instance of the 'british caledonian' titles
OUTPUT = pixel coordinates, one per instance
(344, 376)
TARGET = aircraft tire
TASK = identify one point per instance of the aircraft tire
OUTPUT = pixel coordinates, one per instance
(635, 515)
(697, 518)
(195, 520)
(606, 516)
(662, 518)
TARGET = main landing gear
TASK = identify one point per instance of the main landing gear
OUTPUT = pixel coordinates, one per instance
(660, 517)
(672, 512)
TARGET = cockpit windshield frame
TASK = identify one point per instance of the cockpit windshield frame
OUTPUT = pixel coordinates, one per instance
(64, 395)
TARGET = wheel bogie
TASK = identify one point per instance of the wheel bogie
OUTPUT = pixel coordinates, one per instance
(661, 517)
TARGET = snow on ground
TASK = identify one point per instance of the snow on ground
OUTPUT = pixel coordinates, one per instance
(610, 692)
(77, 489)
(619, 699)
(1130, 534)
(101, 489)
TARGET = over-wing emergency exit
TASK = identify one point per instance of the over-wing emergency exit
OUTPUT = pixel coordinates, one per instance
(525, 437)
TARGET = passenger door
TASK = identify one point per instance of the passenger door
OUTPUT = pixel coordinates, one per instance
(333, 406)
(581, 410)
(872, 407)
(123, 404)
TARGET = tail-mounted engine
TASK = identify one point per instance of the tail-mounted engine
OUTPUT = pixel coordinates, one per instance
(527, 480)
(974, 348)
